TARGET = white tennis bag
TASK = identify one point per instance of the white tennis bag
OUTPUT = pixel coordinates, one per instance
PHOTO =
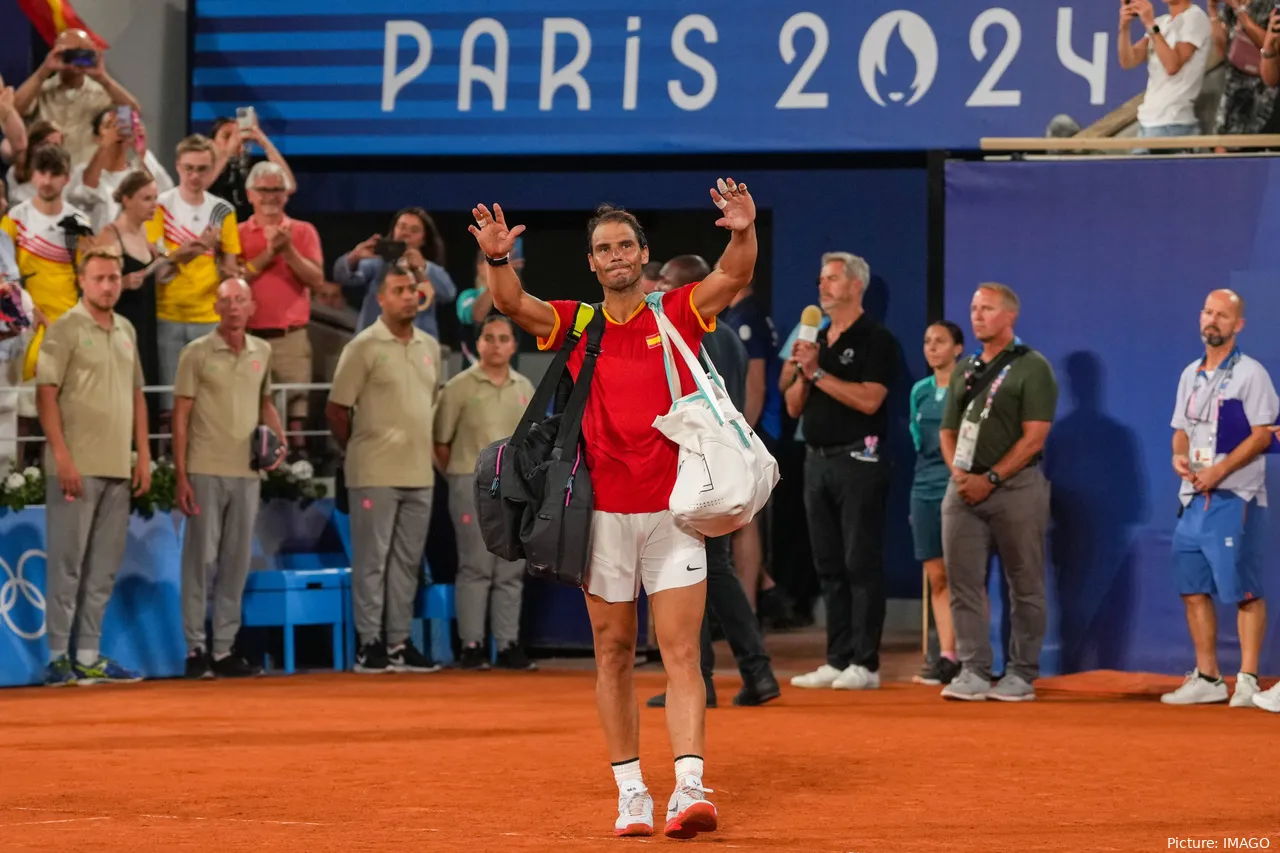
(726, 474)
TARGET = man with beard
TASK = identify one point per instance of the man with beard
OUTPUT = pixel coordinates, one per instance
(999, 408)
(635, 539)
(1219, 542)
(92, 410)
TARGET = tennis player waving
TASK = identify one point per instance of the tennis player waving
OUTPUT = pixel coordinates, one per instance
(635, 540)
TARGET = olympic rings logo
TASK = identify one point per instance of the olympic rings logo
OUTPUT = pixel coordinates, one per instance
(15, 584)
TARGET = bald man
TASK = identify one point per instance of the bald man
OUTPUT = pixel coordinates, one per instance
(725, 596)
(1220, 539)
(221, 393)
(69, 88)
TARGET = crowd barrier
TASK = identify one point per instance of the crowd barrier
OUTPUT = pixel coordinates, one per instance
(1112, 261)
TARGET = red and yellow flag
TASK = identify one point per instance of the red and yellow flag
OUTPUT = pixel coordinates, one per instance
(51, 17)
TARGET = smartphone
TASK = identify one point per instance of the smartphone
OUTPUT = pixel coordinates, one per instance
(124, 119)
(81, 57)
(246, 118)
(389, 250)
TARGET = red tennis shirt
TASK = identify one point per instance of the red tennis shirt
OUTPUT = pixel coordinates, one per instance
(632, 465)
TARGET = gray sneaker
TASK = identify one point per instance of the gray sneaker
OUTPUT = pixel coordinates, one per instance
(968, 686)
(1013, 688)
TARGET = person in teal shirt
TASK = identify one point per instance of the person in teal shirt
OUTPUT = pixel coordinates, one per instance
(943, 345)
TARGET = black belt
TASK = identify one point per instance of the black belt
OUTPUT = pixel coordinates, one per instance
(275, 333)
(836, 449)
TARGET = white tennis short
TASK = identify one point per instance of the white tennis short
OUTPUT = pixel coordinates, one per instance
(628, 549)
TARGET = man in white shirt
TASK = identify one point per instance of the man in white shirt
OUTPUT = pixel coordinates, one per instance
(1176, 49)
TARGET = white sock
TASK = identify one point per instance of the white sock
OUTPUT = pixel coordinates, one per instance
(688, 765)
(86, 657)
(54, 654)
(628, 771)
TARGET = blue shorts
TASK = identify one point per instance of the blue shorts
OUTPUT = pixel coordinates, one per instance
(926, 528)
(1217, 550)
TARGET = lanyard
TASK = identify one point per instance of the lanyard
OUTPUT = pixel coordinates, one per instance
(991, 393)
(1226, 369)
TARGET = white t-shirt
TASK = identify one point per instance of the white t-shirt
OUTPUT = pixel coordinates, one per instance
(1172, 100)
(97, 202)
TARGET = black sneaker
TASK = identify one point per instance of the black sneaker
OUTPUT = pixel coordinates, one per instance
(234, 666)
(372, 658)
(763, 688)
(473, 657)
(941, 671)
(198, 665)
(513, 657)
(407, 658)
(660, 701)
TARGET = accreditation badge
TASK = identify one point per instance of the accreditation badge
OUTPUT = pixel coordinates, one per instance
(966, 443)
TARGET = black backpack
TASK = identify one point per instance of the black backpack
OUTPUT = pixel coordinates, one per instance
(534, 499)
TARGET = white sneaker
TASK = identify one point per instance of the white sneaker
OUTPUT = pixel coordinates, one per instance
(823, 676)
(1196, 691)
(1269, 700)
(857, 677)
(688, 811)
(1246, 689)
(635, 810)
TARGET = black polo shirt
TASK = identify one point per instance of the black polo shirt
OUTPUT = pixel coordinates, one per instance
(866, 352)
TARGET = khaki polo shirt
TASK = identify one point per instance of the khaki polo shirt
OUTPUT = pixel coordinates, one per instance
(474, 413)
(392, 386)
(227, 390)
(96, 371)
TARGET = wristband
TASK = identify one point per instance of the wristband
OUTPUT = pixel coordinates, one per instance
(498, 262)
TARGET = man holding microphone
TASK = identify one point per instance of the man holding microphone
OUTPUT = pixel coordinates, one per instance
(221, 394)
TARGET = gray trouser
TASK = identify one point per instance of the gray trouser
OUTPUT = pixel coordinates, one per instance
(388, 533)
(481, 574)
(216, 553)
(85, 546)
(1014, 519)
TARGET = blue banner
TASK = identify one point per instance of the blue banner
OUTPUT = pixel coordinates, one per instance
(404, 77)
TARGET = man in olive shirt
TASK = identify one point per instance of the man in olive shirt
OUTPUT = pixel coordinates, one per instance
(89, 398)
(389, 374)
(999, 408)
(479, 406)
(221, 394)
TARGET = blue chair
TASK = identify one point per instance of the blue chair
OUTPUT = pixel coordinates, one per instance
(435, 604)
(287, 598)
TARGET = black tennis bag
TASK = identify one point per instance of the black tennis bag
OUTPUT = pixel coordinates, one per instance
(534, 500)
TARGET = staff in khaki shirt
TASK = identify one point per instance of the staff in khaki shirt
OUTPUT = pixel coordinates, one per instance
(221, 394)
(389, 374)
(479, 406)
(89, 397)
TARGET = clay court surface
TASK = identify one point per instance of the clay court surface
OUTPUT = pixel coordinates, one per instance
(514, 762)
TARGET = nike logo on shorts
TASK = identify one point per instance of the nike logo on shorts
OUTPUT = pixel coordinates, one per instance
(693, 568)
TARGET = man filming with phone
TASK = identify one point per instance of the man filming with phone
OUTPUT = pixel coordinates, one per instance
(414, 244)
(69, 88)
(232, 161)
(1176, 48)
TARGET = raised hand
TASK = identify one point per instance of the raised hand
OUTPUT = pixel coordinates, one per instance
(495, 238)
(737, 207)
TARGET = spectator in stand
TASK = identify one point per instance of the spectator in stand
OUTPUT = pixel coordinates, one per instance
(284, 264)
(18, 179)
(363, 267)
(139, 238)
(479, 406)
(1239, 31)
(650, 276)
(1176, 49)
(13, 132)
(122, 149)
(47, 233)
(69, 88)
(1271, 51)
(202, 237)
(232, 163)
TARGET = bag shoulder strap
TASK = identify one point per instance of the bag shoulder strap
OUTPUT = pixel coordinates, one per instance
(989, 375)
(575, 409)
(537, 408)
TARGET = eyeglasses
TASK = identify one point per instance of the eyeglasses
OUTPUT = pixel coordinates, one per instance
(268, 190)
(196, 170)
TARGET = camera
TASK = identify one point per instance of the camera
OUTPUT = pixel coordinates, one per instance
(389, 250)
(81, 57)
